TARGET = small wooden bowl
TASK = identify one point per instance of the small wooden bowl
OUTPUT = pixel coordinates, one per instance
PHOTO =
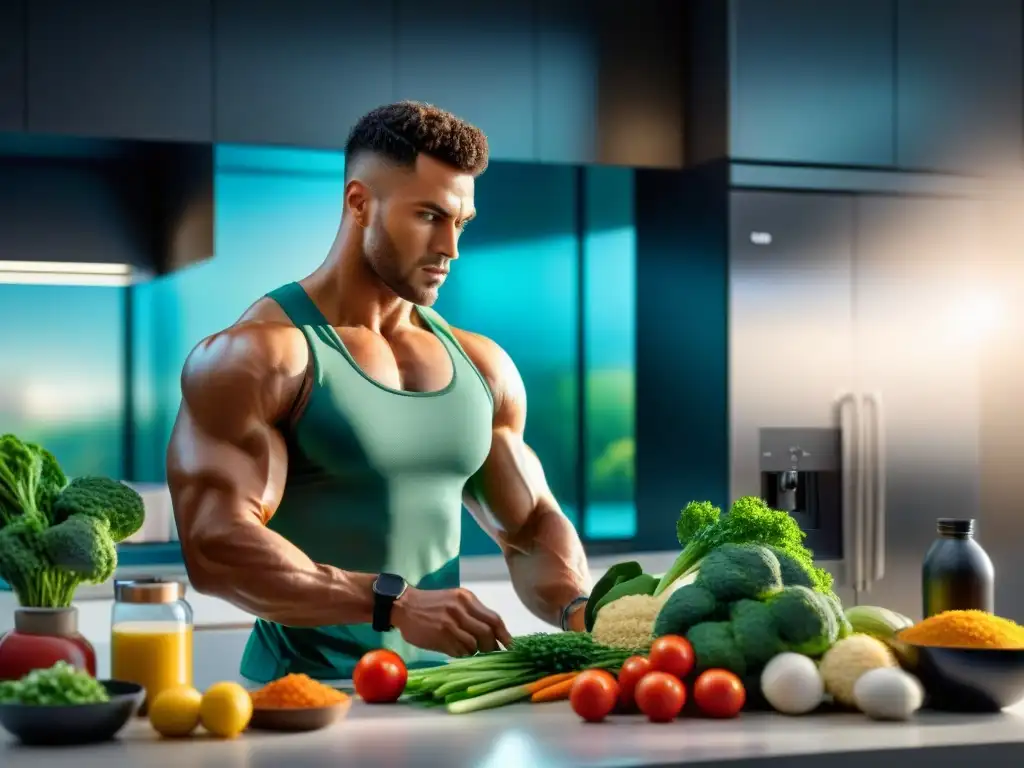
(295, 720)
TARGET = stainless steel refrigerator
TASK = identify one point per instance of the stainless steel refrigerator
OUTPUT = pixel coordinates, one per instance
(855, 396)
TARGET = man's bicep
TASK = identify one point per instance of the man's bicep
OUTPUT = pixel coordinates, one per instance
(510, 494)
(511, 486)
(224, 444)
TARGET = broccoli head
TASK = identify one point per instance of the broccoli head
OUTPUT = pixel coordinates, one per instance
(805, 621)
(30, 479)
(20, 470)
(798, 570)
(842, 623)
(757, 637)
(795, 573)
(750, 521)
(735, 571)
(103, 498)
(25, 566)
(83, 546)
(695, 517)
(52, 480)
(684, 608)
(714, 647)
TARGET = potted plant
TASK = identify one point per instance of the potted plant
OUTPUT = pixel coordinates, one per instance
(54, 536)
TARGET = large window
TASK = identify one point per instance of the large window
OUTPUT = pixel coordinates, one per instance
(534, 266)
(62, 382)
(609, 354)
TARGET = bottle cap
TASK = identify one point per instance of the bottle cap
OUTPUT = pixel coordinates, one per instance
(955, 527)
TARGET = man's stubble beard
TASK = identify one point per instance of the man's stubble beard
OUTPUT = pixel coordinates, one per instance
(382, 257)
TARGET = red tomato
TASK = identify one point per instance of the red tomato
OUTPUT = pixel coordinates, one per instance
(719, 693)
(380, 677)
(593, 695)
(672, 654)
(660, 696)
(633, 669)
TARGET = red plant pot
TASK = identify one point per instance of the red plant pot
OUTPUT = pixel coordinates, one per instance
(41, 637)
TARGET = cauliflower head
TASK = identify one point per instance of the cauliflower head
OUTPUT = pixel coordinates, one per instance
(627, 622)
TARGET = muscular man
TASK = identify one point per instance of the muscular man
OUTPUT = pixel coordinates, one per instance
(327, 441)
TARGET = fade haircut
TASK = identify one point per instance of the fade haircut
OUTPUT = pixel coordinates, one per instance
(400, 132)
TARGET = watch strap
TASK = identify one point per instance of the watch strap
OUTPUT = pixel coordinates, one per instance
(567, 611)
(382, 605)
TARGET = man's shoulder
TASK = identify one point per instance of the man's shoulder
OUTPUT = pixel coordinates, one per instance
(493, 362)
(485, 353)
(264, 310)
(251, 351)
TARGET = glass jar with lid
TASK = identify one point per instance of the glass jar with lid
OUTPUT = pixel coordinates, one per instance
(151, 635)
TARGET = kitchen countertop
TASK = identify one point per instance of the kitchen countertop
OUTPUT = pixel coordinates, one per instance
(551, 736)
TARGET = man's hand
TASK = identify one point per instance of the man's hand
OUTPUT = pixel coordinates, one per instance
(451, 621)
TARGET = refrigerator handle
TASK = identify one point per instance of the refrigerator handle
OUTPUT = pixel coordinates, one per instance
(875, 482)
(848, 418)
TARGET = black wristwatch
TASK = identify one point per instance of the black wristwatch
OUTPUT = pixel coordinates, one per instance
(387, 588)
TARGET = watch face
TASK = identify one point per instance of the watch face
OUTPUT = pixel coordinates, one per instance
(389, 585)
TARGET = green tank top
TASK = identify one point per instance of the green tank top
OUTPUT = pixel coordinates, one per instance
(375, 482)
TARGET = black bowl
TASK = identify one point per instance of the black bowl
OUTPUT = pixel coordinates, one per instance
(970, 679)
(37, 725)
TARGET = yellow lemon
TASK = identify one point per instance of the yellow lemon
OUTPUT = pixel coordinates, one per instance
(175, 711)
(225, 710)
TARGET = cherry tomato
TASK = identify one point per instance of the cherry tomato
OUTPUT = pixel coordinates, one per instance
(719, 693)
(672, 654)
(660, 696)
(380, 677)
(593, 695)
(633, 669)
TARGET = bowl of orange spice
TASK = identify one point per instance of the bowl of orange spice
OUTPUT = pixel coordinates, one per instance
(968, 661)
(297, 702)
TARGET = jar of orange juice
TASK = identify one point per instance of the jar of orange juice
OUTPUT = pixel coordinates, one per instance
(151, 635)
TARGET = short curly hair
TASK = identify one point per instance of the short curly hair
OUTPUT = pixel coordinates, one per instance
(401, 131)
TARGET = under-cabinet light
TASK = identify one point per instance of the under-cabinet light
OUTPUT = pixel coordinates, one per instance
(64, 273)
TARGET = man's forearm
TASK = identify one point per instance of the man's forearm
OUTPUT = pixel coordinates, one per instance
(547, 564)
(261, 572)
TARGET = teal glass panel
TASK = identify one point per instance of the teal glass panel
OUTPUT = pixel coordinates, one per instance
(516, 282)
(62, 382)
(609, 333)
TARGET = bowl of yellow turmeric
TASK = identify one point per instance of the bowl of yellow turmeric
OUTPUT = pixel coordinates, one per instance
(968, 661)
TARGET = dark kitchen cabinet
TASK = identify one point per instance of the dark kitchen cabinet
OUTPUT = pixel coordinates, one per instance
(12, 66)
(120, 69)
(812, 81)
(610, 84)
(300, 72)
(568, 48)
(959, 82)
(478, 61)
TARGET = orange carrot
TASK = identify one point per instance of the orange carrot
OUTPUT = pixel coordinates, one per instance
(548, 681)
(555, 692)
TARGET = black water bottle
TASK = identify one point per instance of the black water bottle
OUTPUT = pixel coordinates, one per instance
(957, 573)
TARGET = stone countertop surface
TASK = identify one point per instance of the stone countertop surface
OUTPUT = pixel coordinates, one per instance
(551, 736)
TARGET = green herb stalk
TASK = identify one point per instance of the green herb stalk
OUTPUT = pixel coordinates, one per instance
(501, 677)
